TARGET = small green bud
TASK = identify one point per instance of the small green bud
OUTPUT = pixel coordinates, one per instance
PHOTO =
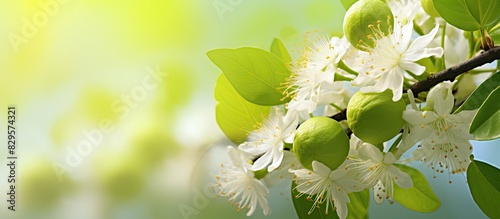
(260, 174)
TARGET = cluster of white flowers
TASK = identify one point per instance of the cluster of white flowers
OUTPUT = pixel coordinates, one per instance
(444, 138)
(313, 80)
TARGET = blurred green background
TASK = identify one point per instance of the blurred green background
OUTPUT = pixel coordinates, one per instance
(116, 110)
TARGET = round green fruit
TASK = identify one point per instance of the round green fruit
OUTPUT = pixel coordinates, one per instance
(429, 8)
(321, 139)
(363, 18)
(374, 117)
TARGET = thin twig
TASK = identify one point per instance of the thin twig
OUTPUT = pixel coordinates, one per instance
(448, 74)
(451, 73)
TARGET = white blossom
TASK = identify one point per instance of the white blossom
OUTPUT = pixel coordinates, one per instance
(239, 184)
(404, 11)
(445, 136)
(392, 58)
(312, 81)
(282, 173)
(268, 141)
(376, 169)
(324, 185)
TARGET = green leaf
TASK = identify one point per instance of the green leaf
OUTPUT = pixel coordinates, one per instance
(484, 185)
(479, 95)
(347, 3)
(235, 116)
(485, 125)
(279, 49)
(302, 207)
(468, 15)
(420, 197)
(357, 207)
(258, 76)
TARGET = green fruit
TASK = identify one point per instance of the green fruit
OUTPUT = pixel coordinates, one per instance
(321, 139)
(363, 18)
(347, 3)
(429, 8)
(374, 117)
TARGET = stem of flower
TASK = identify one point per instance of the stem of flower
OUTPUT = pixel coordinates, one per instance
(346, 68)
(417, 29)
(443, 35)
(336, 107)
(471, 45)
(339, 77)
(393, 146)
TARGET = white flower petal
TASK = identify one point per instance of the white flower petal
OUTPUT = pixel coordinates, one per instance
(254, 148)
(263, 161)
(354, 145)
(441, 99)
(235, 156)
(410, 138)
(389, 158)
(395, 83)
(351, 185)
(277, 158)
(401, 178)
(370, 152)
(361, 80)
(291, 122)
(392, 80)
(419, 118)
(320, 168)
(240, 186)
(404, 35)
(282, 172)
(328, 186)
(379, 192)
(412, 67)
(265, 206)
(426, 52)
(422, 42)
(464, 116)
(341, 209)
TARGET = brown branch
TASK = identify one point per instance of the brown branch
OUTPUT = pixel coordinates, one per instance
(446, 75)
(451, 73)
